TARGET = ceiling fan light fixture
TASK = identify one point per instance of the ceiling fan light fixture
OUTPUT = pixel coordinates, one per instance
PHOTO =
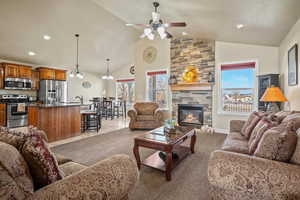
(155, 16)
(147, 31)
(150, 36)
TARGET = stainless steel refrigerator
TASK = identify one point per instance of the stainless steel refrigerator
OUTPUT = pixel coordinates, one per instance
(52, 91)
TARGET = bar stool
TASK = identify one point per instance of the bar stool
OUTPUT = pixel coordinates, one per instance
(91, 119)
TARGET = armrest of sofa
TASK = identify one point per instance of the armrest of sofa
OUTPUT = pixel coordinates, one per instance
(253, 175)
(158, 115)
(112, 178)
(132, 113)
(236, 125)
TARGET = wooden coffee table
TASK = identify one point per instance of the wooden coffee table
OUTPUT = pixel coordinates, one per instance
(167, 143)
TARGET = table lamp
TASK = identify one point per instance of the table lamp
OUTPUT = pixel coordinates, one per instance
(273, 95)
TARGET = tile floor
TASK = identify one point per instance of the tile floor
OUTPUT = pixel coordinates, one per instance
(107, 126)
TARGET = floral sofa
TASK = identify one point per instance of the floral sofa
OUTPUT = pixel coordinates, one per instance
(145, 115)
(263, 165)
(112, 178)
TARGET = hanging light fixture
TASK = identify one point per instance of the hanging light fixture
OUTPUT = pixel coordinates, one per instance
(107, 76)
(76, 72)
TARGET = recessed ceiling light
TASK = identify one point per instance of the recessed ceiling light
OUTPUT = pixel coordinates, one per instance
(46, 37)
(240, 26)
(184, 33)
(31, 53)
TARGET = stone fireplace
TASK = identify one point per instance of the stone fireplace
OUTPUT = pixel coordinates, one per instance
(190, 114)
(200, 54)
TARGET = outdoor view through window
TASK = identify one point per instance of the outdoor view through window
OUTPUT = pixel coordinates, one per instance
(237, 87)
(157, 88)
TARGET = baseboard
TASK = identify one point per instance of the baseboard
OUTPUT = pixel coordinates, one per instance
(220, 130)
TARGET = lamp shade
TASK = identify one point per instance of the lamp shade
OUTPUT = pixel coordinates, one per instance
(273, 94)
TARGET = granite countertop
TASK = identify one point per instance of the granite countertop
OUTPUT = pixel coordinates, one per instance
(57, 105)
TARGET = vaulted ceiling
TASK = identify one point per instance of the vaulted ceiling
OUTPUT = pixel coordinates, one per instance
(266, 21)
(103, 34)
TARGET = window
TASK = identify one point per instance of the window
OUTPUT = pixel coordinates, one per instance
(157, 87)
(125, 89)
(238, 87)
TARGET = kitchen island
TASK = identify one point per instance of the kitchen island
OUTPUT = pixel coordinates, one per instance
(59, 121)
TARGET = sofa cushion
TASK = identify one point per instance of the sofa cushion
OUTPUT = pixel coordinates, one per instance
(235, 145)
(250, 124)
(145, 108)
(15, 179)
(145, 118)
(71, 168)
(236, 136)
(257, 133)
(41, 161)
(277, 143)
(295, 159)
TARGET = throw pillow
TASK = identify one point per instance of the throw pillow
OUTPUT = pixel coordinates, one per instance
(17, 140)
(277, 143)
(283, 114)
(258, 132)
(293, 117)
(248, 127)
(16, 181)
(42, 163)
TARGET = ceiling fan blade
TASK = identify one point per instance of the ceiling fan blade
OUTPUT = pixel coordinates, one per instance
(143, 25)
(169, 35)
(177, 24)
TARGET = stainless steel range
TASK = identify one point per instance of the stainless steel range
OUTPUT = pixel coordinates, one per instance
(17, 109)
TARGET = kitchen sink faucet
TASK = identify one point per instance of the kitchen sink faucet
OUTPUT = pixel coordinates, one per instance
(80, 98)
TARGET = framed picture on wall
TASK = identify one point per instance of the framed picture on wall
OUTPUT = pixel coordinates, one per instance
(293, 66)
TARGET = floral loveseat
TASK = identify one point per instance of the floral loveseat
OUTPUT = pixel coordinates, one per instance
(264, 165)
(112, 178)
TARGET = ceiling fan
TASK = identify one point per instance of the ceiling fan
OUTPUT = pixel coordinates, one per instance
(157, 25)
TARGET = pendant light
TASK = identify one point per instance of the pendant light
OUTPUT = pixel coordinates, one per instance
(76, 72)
(107, 76)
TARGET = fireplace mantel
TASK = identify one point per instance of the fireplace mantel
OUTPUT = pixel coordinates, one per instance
(191, 86)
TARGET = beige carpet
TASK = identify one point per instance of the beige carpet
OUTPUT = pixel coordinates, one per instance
(189, 179)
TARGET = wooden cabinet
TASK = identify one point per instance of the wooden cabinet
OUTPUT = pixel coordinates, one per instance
(46, 74)
(60, 75)
(1, 77)
(2, 114)
(33, 116)
(25, 72)
(11, 70)
(35, 77)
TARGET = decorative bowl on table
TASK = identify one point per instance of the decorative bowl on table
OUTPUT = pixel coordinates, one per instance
(170, 126)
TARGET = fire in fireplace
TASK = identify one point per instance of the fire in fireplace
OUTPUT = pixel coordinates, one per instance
(190, 114)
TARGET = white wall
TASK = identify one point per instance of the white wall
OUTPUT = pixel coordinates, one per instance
(162, 61)
(75, 87)
(267, 58)
(291, 92)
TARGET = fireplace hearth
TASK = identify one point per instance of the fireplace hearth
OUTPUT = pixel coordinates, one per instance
(190, 114)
